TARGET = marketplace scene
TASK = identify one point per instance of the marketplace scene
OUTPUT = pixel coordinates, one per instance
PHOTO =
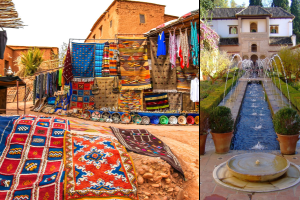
(249, 100)
(99, 100)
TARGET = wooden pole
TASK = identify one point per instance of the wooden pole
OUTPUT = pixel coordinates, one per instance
(18, 97)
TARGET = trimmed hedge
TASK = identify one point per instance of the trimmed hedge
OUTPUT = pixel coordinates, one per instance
(294, 94)
(216, 97)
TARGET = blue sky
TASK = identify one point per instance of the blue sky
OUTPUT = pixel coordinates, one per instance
(246, 1)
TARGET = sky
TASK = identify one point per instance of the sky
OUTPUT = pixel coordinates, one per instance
(247, 1)
(50, 23)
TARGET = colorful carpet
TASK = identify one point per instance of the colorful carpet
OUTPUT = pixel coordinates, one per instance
(113, 56)
(157, 101)
(86, 128)
(175, 101)
(184, 77)
(106, 98)
(134, 64)
(98, 166)
(82, 97)
(31, 166)
(83, 59)
(131, 100)
(143, 142)
(98, 59)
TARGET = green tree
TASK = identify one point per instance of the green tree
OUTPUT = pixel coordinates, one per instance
(233, 4)
(295, 10)
(255, 3)
(243, 5)
(205, 5)
(281, 3)
(31, 60)
(221, 3)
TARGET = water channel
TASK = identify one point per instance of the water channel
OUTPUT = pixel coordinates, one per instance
(254, 128)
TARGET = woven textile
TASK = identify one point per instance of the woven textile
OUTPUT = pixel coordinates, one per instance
(105, 62)
(113, 56)
(131, 100)
(68, 74)
(31, 166)
(98, 166)
(184, 78)
(143, 142)
(135, 74)
(163, 76)
(175, 101)
(187, 104)
(83, 59)
(105, 98)
(98, 59)
(157, 101)
(82, 96)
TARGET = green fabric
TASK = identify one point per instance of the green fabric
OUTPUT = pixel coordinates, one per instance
(60, 77)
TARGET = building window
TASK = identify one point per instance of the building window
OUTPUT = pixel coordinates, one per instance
(101, 31)
(253, 27)
(233, 30)
(142, 19)
(253, 48)
(110, 23)
(94, 36)
(274, 29)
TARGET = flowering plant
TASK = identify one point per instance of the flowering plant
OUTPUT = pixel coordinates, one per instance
(208, 38)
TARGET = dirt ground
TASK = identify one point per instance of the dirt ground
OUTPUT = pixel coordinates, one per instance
(184, 143)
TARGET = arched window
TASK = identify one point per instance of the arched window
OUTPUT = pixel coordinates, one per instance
(245, 57)
(273, 29)
(253, 48)
(254, 58)
(253, 27)
(233, 30)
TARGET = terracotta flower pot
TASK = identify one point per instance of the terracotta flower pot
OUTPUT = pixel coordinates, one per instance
(202, 143)
(222, 141)
(287, 143)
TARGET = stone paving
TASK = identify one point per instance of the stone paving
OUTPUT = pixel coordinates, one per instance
(208, 186)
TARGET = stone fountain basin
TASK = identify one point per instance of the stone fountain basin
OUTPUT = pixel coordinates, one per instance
(245, 167)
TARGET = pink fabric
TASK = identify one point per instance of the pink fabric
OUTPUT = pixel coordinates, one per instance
(173, 49)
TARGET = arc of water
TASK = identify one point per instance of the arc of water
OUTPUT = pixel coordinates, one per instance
(278, 78)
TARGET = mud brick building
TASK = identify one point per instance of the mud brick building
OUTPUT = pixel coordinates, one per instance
(13, 52)
(128, 17)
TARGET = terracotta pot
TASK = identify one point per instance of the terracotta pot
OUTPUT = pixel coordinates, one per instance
(222, 141)
(202, 143)
(287, 143)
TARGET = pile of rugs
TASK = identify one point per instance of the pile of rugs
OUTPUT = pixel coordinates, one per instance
(43, 158)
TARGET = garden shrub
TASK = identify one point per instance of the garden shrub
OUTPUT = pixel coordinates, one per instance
(287, 122)
(220, 120)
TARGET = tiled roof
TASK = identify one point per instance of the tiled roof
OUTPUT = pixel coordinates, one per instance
(229, 41)
(253, 10)
(280, 40)
(225, 13)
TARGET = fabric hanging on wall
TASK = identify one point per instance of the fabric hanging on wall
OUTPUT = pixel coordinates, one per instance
(134, 67)
(113, 56)
(143, 142)
(194, 44)
(60, 71)
(163, 77)
(172, 49)
(99, 59)
(131, 100)
(184, 78)
(195, 96)
(3, 40)
(32, 165)
(98, 167)
(184, 51)
(37, 86)
(105, 63)
(106, 98)
(187, 104)
(161, 45)
(175, 101)
(157, 101)
(51, 85)
(83, 59)
(82, 97)
(68, 74)
(54, 86)
(34, 90)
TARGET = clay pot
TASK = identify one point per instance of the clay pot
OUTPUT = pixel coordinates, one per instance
(222, 141)
(287, 143)
(202, 143)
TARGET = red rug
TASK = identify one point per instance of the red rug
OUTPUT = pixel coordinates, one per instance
(98, 166)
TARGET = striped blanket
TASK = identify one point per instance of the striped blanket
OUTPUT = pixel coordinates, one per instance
(156, 101)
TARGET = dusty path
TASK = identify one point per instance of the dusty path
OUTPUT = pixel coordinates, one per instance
(184, 143)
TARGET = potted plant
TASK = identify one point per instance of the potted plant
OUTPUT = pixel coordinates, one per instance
(287, 126)
(204, 126)
(221, 125)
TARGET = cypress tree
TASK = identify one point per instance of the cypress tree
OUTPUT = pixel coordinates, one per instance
(281, 3)
(255, 3)
(295, 10)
